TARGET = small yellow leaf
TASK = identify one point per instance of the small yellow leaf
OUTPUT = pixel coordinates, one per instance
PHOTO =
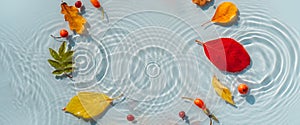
(222, 90)
(88, 105)
(76, 21)
(225, 13)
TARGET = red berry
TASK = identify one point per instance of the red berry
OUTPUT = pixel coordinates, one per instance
(182, 114)
(243, 89)
(130, 117)
(199, 103)
(63, 33)
(78, 4)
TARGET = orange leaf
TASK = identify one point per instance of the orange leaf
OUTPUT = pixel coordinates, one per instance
(225, 13)
(200, 2)
(76, 21)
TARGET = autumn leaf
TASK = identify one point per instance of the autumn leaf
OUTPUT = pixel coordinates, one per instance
(225, 14)
(76, 21)
(226, 54)
(88, 105)
(200, 2)
(222, 90)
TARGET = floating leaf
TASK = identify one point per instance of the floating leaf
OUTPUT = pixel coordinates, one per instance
(54, 54)
(76, 21)
(62, 48)
(226, 54)
(226, 13)
(58, 72)
(88, 105)
(222, 90)
(63, 62)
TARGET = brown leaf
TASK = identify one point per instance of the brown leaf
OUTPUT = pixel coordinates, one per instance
(76, 21)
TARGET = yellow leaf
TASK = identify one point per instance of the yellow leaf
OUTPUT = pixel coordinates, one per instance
(222, 90)
(76, 21)
(225, 13)
(88, 105)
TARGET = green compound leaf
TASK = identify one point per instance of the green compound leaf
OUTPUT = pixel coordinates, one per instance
(63, 60)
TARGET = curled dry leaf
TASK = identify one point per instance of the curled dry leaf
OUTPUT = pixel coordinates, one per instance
(222, 90)
(88, 105)
(76, 21)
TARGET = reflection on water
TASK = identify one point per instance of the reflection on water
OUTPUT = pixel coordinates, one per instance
(148, 53)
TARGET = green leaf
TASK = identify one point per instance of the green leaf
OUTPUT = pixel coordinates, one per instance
(54, 54)
(68, 56)
(69, 69)
(54, 64)
(57, 72)
(62, 48)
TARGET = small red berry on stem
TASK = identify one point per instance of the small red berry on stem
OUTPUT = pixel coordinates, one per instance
(78, 4)
(199, 103)
(130, 117)
(63, 33)
(182, 114)
(243, 89)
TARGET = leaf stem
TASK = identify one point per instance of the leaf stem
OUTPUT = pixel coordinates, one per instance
(206, 23)
(55, 37)
(68, 75)
(191, 99)
(102, 10)
(118, 97)
(199, 42)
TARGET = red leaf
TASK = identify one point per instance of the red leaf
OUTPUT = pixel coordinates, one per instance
(226, 54)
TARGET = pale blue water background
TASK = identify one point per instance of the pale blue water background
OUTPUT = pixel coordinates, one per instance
(146, 51)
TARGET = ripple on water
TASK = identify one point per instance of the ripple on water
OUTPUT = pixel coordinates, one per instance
(152, 66)
(33, 84)
(91, 62)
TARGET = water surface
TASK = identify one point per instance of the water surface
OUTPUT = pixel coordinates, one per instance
(146, 50)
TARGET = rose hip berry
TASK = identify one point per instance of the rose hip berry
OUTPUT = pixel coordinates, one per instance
(181, 114)
(243, 89)
(130, 117)
(63, 33)
(78, 4)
